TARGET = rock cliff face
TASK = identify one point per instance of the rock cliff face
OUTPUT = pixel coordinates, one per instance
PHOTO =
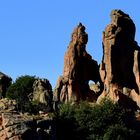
(120, 64)
(5, 82)
(79, 68)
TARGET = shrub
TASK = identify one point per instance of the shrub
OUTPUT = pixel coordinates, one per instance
(66, 125)
(118, 132)
(91, 122)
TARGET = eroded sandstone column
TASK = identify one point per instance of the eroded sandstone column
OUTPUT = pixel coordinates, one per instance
(120, 67)
(79, 68)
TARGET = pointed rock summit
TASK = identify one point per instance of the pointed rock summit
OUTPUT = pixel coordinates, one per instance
(120, 66)
(79, 68)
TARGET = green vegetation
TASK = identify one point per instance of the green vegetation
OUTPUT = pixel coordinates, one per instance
(107, 121)
(20, 91)
(81, 121)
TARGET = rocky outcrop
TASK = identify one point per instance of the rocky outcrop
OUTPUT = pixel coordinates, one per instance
(5, 82)
(79, 68)
(120, 65)
(11, 126)
(18, 126)
(15, 126)
(42, 94)
(7, 105)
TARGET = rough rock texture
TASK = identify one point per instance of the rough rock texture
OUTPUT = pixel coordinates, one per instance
(120, 66)
(14, 126)
(7, 104)
(95, 87)
(17, 126)
(42, 94)
(5, 82)
(11, 126)
(79, 68)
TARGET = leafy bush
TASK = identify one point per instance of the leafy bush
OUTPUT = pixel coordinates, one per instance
(65, 122)
(20, 90)
(119, 132)
(92, 122)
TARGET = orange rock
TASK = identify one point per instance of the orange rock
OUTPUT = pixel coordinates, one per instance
(79, 68)
(120, 68)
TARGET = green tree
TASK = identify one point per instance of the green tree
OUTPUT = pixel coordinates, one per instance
(20, 90)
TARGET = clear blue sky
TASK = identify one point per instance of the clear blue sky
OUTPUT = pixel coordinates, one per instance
(34, 34)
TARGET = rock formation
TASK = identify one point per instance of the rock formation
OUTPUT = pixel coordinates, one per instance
(120, 66)
(79, 68)
(7, 104)
(14, 126)
(119, 72)
(17, 126)
(42, 94)
(5, 82)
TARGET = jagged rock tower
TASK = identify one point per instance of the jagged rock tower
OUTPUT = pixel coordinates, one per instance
(120, 66)
(79, 68)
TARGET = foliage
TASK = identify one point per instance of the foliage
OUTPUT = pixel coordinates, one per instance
(119, 132)
(20, 90)
(92, 122)
(66, 124)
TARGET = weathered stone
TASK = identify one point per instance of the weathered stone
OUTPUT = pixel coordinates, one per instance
(120, 67)
(7, 104)
(79, 68)
(42, 94)
(5, 82)
(12, 126)
(23, 127)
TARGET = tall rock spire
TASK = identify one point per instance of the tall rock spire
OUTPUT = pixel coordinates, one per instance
(79, 68)
(120, 67)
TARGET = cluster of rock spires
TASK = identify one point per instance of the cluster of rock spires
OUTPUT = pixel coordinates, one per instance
(117, 77)
(118, 73)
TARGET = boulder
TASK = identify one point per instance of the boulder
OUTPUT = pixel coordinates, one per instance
(119, 69)
(79, 68)
(5, 82)
(42, 94)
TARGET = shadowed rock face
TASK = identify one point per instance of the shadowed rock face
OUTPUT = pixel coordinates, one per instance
(5, 82)
(79, 68)
(120, 67)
